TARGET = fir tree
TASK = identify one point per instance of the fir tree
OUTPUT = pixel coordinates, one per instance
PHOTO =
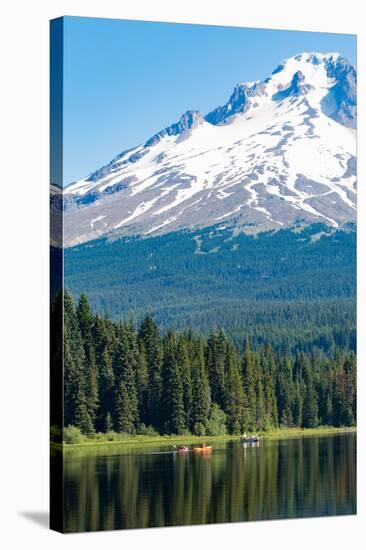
(216, 350)
(310, 403)
(175, 383)
(173, 397)
(249, 386)
(149, 335)
(284, 392)
(297, 404)
(108, 426)
(200, 391)
(142, 381)
(75, 394)
(126, 401)
(85, 323)
(185, 369)
(124, 410)
(234, 393)
(83, 420)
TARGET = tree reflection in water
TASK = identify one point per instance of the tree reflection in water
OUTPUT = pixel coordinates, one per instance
(117, 488)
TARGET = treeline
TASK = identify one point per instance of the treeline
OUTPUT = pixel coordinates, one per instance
(323, 326)
(293, 288)
(136, 380)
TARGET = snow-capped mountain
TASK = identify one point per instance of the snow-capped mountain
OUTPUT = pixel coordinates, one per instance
(279, 151)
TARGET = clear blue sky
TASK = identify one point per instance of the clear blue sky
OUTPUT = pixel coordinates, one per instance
(126, 80)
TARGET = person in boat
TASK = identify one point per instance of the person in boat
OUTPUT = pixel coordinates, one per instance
(203, 445)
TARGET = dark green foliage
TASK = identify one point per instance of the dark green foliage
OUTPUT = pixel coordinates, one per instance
(294, 289)
(85, 322)
(216, 357)
(185, 370)
(284, 392)
(126, 415)
(147, 382)
(200, 390)
(234, 392)
(108, 426)
(149, 336)
(76, 379)
(297, 406)
(124, 410)
(173, 390)
(249, 385)
(142, 381)
(83, 419)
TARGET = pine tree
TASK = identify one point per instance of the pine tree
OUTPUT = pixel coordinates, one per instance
(271, 415)
(85, 323)
(83, 420)
(216, 350)
(108, 426)
(185, 369)
(234, 393)
(75, 396)
(174, 413)
(142, 381)
(56, 367)
(310, 404)
(268, 371)
(170, 382)
(260, 405)
(350, 390)
(200, 391)
(297, 404)
(126, 400)
(70, 384)
(124, 410)
(149, 335)
(284, 392)
(249, 386)
(103, 339)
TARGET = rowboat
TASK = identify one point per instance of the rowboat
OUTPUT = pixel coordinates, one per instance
(202, 449)
(182, 449)
(253, 439)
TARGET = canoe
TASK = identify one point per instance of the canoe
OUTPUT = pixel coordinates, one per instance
(182, 449)
(249, 439)
(207, 449)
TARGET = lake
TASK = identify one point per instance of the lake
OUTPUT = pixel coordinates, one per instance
(118, 487)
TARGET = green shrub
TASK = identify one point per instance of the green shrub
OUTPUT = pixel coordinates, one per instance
(73, 435)
(147, 430)
(199, 429)
(216, 424)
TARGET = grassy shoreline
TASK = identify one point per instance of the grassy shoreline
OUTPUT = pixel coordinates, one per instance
(142, 440)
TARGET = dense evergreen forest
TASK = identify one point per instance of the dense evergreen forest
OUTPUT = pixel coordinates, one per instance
(293, 288)
(128, 379)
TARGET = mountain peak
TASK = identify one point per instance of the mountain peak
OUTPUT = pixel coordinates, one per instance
(239, 102)
(313, 58)
(277, 152)
(297, 87)
(188, 121)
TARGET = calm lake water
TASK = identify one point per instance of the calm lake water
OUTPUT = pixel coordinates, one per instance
(121, 488)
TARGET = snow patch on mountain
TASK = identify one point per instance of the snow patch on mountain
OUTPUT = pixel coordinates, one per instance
(280, 150)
